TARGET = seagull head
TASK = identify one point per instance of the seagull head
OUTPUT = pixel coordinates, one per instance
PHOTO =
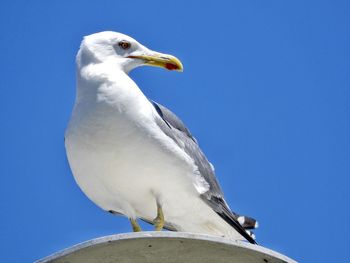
(124, 50)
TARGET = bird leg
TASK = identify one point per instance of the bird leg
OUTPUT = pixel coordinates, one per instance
(135, 226)
(158, 222)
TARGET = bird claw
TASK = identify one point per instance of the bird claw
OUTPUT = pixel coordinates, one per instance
(135, 226)
(158, 222)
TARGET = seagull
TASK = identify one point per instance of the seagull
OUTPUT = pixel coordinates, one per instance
(133, 156)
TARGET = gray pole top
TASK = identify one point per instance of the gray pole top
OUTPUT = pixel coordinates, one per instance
(165, 247)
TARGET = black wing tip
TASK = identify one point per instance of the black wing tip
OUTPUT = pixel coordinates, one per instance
(220, 206)
(247, 222)
(237, 226)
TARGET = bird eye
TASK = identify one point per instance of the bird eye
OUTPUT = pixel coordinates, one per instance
(124, 44)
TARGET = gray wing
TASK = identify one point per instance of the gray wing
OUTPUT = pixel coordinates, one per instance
(173, 127)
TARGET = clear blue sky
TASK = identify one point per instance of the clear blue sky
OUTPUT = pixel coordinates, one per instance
(266, 91)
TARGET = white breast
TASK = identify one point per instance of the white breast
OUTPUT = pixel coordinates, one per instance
(118, 155)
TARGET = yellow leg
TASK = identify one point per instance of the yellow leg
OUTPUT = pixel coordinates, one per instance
(158, 222)
(135, 226)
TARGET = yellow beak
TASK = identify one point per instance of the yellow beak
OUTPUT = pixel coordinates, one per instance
(161, 60)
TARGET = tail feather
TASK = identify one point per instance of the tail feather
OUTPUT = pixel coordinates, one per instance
(219, 205)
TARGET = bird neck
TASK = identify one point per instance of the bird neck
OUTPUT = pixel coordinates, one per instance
(107, 85)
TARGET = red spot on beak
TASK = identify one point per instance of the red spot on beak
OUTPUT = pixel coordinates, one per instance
(170, 66)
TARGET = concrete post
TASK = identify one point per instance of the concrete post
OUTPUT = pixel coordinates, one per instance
(165, 247)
